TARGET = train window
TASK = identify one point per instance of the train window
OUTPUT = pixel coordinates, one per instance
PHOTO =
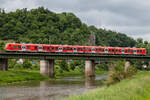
(109, 49)
(28, 47)
(134, 50)
(116, 50)
(15, 47)
(75, 49)
(23, 47)
(56, 48)
(68, 48)
(131, 50)
(102, 49)
(128, 50)
(64, 48)
(40, 47)
(119, 50)
(86, 49)
(53, 48)
(99, 49)
(19, 47)
(140, 50)
(71, 48)
(137, 50)
(89, 49)
(36, 47)
(112, 50)
(96, 49)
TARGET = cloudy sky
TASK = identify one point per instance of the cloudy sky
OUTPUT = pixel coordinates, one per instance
(131, 17)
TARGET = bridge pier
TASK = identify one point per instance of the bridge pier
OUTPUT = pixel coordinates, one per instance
(47, 68)
(4, 64)
(89, 69)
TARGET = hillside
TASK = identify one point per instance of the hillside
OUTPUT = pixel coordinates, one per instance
(43, 26)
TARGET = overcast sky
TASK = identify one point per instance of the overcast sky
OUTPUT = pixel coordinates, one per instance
(131, 17)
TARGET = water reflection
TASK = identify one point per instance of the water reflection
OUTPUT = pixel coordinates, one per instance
(57, 89)
(89, 81)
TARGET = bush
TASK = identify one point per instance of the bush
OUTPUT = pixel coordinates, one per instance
(63, 65)
(117, 72)
(77, 65)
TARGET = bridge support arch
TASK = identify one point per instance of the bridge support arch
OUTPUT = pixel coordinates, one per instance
(3, 64)
(47, 68)
(89, 69)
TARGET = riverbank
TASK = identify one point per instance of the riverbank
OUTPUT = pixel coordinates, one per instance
(19, 75)
(134, 88)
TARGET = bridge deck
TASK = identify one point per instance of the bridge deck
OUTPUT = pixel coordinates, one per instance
(13, 55)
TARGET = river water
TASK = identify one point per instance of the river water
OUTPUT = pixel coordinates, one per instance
(56, 89)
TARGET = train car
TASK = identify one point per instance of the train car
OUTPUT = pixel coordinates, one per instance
(97, 49)
(111, 50)
(80, 49)
(68, 48)
(87, 49)
(129, 50)
(21, 47)
(103, 50)
(55, 48)
(118, 50)
(13, 47)
(30, 47)
(141, 51)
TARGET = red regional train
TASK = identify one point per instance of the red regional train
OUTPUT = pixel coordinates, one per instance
(22, 47)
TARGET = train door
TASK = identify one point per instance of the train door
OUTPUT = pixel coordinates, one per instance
(40, 48)
(60, 48)
(75, 49)
(23, 47)
(123, 51)
(106, 50)
(135, 51)
(93, 50)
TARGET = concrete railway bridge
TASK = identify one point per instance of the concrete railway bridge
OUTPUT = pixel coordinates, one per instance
(47, 60)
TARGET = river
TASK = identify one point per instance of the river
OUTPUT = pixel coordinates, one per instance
(56, 89)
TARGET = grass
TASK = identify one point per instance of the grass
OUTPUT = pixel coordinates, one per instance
(19, 75)
(134, 88)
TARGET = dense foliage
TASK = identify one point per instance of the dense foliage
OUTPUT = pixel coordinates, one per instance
(43, 26)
